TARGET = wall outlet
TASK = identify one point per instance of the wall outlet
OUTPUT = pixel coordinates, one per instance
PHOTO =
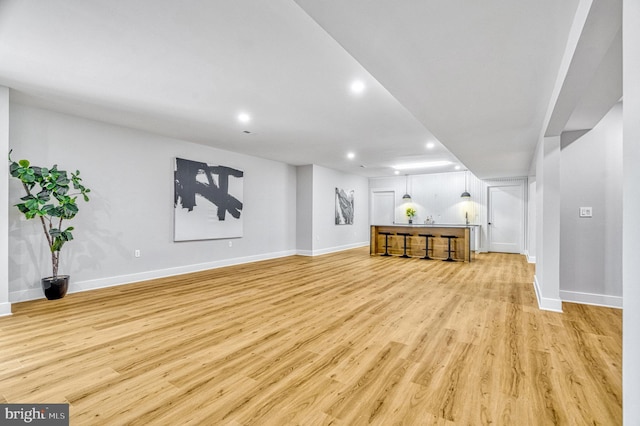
(586, 212)
(230, 243)
(136, 253)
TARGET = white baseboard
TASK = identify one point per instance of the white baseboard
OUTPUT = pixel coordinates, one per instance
(75, 287)
(546, 304)
(591, 299)
(530, 259)
(5, 309)
(332, 249)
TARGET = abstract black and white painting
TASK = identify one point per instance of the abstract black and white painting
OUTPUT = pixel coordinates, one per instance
(207, 201)
(344, 206)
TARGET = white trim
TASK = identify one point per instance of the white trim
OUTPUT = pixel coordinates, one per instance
(554, 305)
(591, 299)
(332, 249)
(75, 287)
(5, 309)
(522, 183)
(5, 301)
(530, 259)
(372, 192)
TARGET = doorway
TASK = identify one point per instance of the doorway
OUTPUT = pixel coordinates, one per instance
(505, 218)
(383, 208)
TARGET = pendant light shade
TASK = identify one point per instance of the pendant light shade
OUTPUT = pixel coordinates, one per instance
(465, 194)
(406, 197)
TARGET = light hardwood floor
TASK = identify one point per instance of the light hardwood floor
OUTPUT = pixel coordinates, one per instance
(341, 339)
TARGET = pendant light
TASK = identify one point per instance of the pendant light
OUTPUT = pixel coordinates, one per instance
(406, 197)
(465, 194)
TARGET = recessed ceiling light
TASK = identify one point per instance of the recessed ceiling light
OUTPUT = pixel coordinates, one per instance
(244, 117)
(457, 167)
(430, 145)
(357, 86)
(351, 155)
(397, 172)
(421, 165)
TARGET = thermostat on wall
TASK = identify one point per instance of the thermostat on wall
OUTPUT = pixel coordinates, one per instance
(586, 212)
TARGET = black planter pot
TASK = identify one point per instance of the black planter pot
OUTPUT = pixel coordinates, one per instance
(55, 287)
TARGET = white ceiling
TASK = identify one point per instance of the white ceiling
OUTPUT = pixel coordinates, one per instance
(477, 75)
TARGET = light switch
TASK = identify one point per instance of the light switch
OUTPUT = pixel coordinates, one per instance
(586, 212)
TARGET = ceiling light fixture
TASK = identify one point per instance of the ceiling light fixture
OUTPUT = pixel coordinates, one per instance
(357, 86)
(421, 165)
(406, 197)
(465, 194)
(244, 117)
(351, 155)
(430, 145)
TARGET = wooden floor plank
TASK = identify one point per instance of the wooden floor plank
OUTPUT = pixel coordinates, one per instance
(341, 339)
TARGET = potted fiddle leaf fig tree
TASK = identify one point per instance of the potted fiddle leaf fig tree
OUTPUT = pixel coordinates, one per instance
(50, 198)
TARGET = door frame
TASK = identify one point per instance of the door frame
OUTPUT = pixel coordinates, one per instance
(371, 202)
(523, 185)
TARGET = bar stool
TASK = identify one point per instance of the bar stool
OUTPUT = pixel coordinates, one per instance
(405, 235)
(449, 238)
(386, 242)
(426, 247)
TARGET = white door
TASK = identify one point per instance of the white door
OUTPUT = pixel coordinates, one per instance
(505, 219)
(383, 208)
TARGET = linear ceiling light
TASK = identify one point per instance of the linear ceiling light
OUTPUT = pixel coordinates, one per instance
(421, 165)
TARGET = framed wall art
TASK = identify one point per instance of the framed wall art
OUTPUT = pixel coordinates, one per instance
(344, 206)
(207, 201)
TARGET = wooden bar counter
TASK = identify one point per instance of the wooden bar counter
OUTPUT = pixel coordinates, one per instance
(416, 244)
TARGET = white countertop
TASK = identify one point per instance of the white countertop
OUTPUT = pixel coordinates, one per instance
(432, 225)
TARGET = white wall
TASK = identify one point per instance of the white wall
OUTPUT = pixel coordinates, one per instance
(327, 236)
(131, 177)
(631, 203)
(547, 227)
(591, 248)
(304, 209)
(531, 221)
(5, 306)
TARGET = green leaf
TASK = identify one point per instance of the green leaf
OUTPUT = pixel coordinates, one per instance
(24, 163)
(44, 196)
(32, 204)
(48, 209)
(13, 169)
(22, 208)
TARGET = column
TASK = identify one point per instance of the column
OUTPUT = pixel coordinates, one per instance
(547, 278)
(631, 212)
(5, 306)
